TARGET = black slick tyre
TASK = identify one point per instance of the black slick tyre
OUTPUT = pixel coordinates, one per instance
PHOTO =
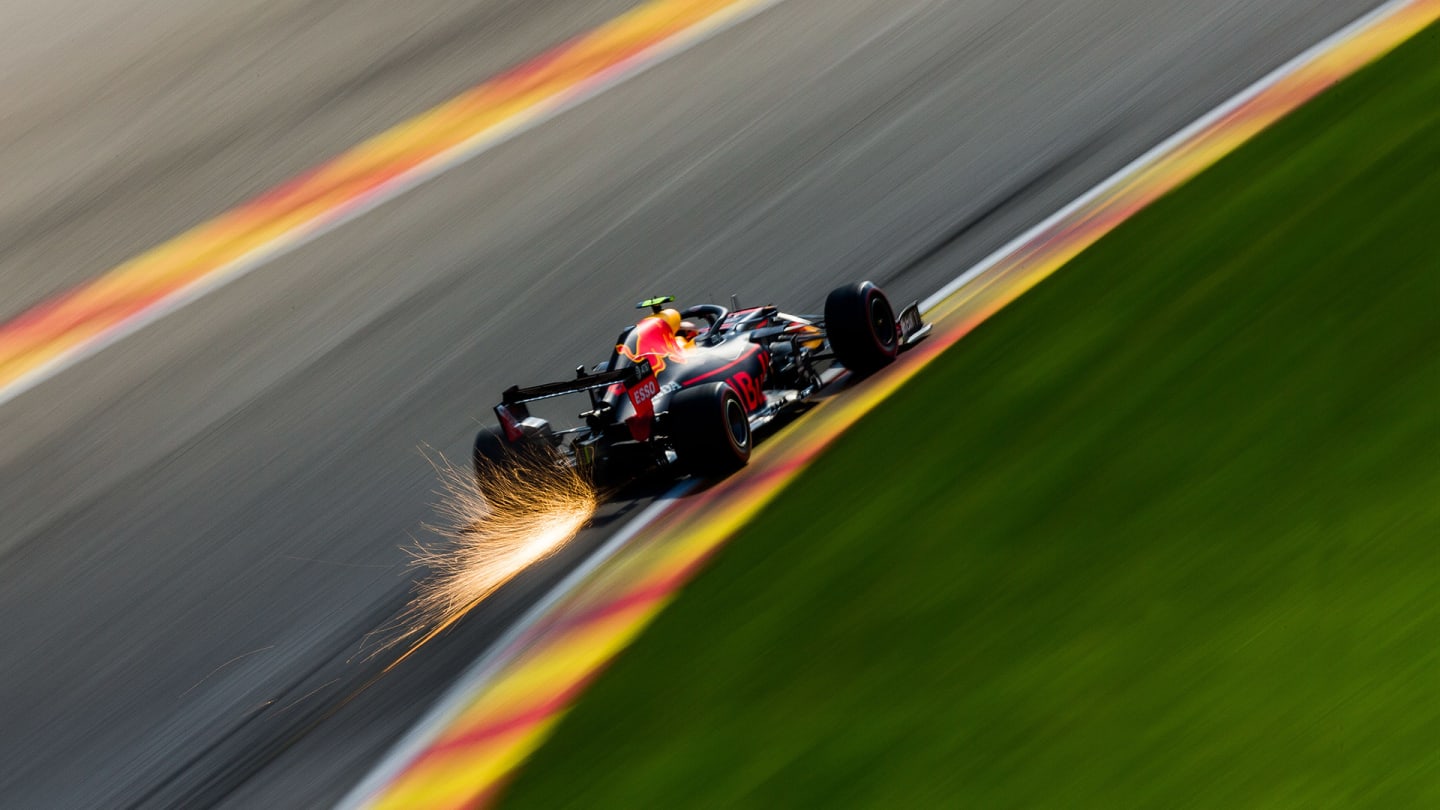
(491, 449)
(861, 325)
(710, 429)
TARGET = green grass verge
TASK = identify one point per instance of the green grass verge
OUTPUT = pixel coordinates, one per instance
(1164, 533)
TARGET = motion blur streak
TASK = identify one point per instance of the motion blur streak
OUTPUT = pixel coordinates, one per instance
(496, 524)
(57, 333)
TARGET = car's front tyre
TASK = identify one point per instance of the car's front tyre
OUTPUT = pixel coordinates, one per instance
(861, 326)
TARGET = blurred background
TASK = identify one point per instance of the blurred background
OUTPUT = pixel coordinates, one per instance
(203, 526)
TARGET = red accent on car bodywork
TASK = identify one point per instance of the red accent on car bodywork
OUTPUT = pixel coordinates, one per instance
(751, 392)
(750, 387)
(509, 423)
(654, 341)
(642, 396)
(744, 356)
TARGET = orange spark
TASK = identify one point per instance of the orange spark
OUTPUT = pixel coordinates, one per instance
(496, 523)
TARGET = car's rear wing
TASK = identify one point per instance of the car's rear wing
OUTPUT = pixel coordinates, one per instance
(515, 395)
(638, 381)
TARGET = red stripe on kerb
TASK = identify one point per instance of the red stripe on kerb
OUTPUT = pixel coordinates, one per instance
(480, 734)
(641, 597)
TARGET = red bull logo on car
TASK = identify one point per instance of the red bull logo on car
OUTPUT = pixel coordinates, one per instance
(653, 340)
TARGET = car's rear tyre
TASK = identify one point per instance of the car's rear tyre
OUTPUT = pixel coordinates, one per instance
(491, 449)
(861, 325)
(710, 428)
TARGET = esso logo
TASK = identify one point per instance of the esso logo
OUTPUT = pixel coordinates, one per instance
(645, 391)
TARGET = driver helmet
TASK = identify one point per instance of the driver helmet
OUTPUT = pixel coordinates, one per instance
(684, 330)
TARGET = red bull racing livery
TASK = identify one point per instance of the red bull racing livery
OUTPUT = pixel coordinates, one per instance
(684, 390)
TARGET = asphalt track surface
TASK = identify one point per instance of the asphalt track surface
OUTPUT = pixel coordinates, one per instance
(200, 525)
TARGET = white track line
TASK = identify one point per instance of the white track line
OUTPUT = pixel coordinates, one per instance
(475, 678)
(333, 218)
(1161, 149)
(477, 674)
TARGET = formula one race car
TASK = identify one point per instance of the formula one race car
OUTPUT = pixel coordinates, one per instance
(683, 390)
